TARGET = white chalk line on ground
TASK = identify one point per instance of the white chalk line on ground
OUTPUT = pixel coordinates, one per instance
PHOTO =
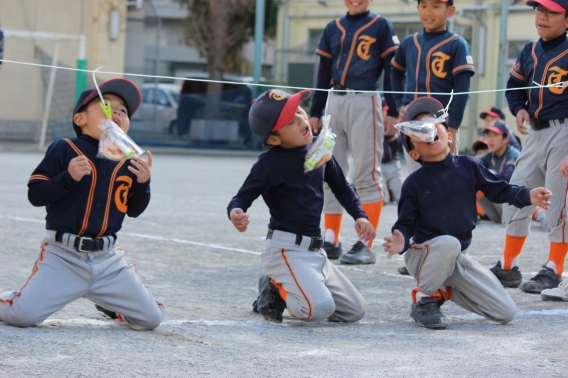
(214, 246)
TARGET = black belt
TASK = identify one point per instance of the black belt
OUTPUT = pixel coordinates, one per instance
(85, 243)
(342, 88)
(539, 124)
(315, 244)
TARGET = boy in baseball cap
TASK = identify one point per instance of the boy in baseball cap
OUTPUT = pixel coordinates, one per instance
(86, 200)
(298, 274)
(495, 114)
(436, 217)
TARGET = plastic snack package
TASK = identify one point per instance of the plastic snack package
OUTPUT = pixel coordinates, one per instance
(423, 130)
(114, 144)
(320, 153)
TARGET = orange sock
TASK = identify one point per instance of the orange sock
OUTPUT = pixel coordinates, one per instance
(513, 247)
(283, 293)
(480, 211)
(332, 222)
(373, 211)
(557, 255)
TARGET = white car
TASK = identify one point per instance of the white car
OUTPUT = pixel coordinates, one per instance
(158, 111)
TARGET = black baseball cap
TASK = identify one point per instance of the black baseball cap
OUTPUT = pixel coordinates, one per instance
(497, 127)
(553, 5)
(480, 143)
(418, 106)
(122, 88)
(493, 112)
(273, 110)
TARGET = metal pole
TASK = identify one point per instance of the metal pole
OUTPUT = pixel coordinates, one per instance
(258, 43)
(48, 96)
(502, 52)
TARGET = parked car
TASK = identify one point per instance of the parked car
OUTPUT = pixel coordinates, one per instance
(158, 111)
(236, 100)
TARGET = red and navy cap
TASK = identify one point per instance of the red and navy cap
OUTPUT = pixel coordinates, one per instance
(497, 127)
(478, 144)
(421, 105)
(122, 88)
(493, 112)
(553, 5)
(273, 110)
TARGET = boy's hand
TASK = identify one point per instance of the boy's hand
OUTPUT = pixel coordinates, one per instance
(564, 168)
(315, 124)
(389, 125)
(79, 167)
(540, 197)
(365, 231)
(401, 111)
(394, 244)
(144, 169)
(240, 219)
(522, 119)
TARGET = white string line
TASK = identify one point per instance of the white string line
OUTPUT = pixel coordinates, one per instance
(556, 85)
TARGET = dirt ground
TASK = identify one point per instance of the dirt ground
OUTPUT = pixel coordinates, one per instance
(206, 274)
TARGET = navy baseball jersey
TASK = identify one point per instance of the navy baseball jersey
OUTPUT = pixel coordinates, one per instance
(544, 66)
(96, 205)
(357, 50)
(431, 62)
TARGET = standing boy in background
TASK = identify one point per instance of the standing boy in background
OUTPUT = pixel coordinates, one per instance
(354, 51)
(433, 60)
(545, 109)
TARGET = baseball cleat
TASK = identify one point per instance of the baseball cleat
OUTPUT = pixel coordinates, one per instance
(110, 314)
(544, 279)
(333, 251)
(559, 293)
(508, 278)
(402, 270)
(269, 304)
(427, 313)
(358, 254)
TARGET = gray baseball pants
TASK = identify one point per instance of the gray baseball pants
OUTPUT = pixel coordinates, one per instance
(62, 275)
(439, 264)
(316, 289)
(356, 120)
(392, 180)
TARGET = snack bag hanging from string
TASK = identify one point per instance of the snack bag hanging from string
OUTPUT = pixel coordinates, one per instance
(114, 144)
(321, 151)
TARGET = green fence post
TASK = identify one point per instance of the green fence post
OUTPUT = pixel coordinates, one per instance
(81, 78)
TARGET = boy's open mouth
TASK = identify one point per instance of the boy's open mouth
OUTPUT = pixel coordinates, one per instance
(435, 140)
(306, 132)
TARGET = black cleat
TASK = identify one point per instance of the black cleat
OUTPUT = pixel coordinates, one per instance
(333, 251)
(110, 314)
(508, 278)
(402, 270)
(269, 304)
(544, 279)
(358, 254)
(427, 314)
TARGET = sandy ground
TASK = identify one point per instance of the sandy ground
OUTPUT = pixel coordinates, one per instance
(206, 274)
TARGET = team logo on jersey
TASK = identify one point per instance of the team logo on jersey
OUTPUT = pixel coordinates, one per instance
(276, 96)
(438, 64)
(121, 194)
(556, 78)
(364, 47)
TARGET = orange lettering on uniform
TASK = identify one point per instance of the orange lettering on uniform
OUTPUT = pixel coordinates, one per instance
(121, 194)
(438, 64)
(555, 78)
(364, 47)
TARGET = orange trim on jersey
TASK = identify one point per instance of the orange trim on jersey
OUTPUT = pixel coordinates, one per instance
(428, 60)
(515, 74)
(343, 32)
(543, 80)
(397, 66)
(34, 271)
(374, 166)
(415, 38)
(387, 51)
(323, 53)
(109, 198)
(534, 70)
(353, 44)
(91, 190)
(282, 253)
(39, 177)
(463, 67)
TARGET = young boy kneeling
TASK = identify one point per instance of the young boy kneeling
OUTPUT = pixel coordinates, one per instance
(297, 268)
(437, 211)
